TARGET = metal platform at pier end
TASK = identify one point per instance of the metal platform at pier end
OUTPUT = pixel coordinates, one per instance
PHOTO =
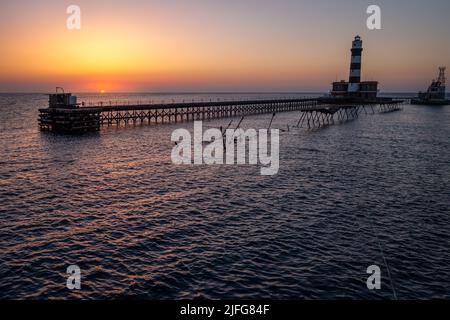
(314, 113)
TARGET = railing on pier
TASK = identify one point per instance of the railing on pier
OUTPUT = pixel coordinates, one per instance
(83, 119)
(92, 118)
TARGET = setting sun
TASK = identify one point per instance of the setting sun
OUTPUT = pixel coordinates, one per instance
(102, 91)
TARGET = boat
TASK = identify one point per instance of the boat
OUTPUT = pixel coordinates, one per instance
(435, 95)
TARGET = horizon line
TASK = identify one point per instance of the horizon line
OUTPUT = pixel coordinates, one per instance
(188, 92)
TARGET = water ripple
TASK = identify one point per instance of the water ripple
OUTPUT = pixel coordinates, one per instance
(140, 227)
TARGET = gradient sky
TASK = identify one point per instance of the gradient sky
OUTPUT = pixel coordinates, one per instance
(226, 45)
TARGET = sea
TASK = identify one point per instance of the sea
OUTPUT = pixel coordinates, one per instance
(374, 191)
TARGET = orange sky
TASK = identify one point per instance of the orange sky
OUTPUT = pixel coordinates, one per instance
(208, 46)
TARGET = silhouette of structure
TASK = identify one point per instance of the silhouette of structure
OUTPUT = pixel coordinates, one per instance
(435, 94)
(355, 89)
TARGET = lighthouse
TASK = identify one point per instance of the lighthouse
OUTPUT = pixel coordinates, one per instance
(355, 89)
(355, 65)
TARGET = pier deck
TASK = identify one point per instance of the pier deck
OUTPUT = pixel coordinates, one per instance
(83, 119)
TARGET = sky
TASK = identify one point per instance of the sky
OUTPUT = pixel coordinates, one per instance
(218, 46)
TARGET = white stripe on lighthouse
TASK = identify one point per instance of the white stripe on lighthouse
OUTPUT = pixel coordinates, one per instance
(356, 59)
(355, 73)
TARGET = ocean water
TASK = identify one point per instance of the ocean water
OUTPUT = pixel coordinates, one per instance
(374, 191)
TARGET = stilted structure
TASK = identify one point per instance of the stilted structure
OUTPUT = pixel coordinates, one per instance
(314, 113)
(69, 118)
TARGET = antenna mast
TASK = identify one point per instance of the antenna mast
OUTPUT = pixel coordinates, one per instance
(441, 78)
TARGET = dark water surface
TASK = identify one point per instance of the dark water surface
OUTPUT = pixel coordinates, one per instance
(139, 226)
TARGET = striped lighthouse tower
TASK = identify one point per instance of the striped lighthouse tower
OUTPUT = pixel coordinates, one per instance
(355, 65)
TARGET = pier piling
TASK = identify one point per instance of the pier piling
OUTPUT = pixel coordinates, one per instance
(314, 112)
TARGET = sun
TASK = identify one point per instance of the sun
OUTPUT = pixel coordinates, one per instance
(102, 91)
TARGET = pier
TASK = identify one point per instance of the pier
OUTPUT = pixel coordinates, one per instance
(314, 112)
(346, 101)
